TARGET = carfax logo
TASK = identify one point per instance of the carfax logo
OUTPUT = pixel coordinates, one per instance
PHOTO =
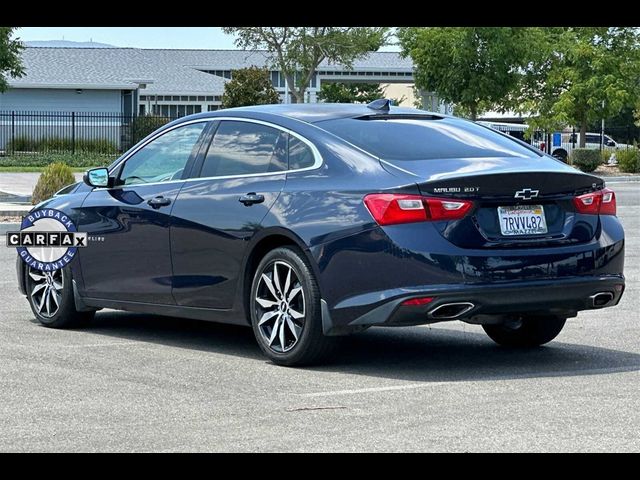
(48, 240)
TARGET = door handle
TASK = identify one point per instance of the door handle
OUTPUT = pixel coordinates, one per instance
(251, 198)
(158, 202)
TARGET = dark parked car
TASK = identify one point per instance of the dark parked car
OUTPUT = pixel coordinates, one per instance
(313, 221)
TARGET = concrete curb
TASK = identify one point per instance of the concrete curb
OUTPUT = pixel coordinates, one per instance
(15, 199)
(11, 209)
(630, 178)
(9, 227)
(12, 213)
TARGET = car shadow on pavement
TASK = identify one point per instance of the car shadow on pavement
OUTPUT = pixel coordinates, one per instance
(442, 355)
(414, 353)
(176, 332)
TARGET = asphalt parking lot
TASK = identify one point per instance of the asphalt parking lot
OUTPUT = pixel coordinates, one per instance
(134, 382)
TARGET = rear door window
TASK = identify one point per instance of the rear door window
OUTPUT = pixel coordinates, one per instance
(245, 148)
(300, 154)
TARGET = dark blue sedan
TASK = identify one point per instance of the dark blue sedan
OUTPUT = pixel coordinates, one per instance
(313, 221)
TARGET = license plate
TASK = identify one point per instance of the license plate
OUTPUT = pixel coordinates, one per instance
(522, 220)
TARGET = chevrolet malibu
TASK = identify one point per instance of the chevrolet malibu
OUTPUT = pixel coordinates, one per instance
(309, 222)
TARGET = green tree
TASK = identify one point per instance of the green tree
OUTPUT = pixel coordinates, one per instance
(354, 92)
(340, 92)
(10, 62)
(584, 74)
(249, 86)
(474, 68)
(297, 51)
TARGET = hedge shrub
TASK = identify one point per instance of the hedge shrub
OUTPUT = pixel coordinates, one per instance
(586, 159)
(52, 179)
(26, 143)
(629, 160)
(143, 126)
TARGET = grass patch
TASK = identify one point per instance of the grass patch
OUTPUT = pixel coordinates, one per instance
(36, 163)
(39, 169)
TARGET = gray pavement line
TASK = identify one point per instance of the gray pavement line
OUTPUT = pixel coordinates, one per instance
(415, 386)
(107, 344)
(311, 408)
(355, 391)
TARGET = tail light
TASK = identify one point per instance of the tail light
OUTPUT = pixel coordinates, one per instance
(393, 209)
(602, 202)
(608, 205)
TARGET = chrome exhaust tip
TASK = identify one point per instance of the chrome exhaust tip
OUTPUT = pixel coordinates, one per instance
(449, 311)
(601, 299)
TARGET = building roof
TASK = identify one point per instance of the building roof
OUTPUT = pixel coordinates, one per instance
(167, 71)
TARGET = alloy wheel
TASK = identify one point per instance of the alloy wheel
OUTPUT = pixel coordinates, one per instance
(46, 291)
(280, 306)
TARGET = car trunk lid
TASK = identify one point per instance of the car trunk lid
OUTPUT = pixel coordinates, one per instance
(510, 198)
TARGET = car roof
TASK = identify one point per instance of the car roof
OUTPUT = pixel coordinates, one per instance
(318, 112)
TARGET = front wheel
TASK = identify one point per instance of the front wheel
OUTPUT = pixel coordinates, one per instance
(50, 296)
(526, 331)
(285, 309)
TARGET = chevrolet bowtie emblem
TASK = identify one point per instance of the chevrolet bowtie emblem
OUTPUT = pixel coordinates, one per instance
(527, 194)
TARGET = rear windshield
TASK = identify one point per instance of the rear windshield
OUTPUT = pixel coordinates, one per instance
(418, 139)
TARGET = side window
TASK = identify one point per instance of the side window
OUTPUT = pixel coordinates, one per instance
(300, 154)
(245, 148)
(164, 158)
(593, 139)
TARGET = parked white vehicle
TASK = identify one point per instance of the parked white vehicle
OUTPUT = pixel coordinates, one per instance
(562, 143)
(516, 130)
(569, 141)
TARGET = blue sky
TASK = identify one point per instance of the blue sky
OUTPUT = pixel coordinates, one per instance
(142, 37)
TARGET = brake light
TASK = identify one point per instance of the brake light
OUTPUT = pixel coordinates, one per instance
(393, 209)
(602, 202)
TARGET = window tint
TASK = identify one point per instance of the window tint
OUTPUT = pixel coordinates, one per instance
(300, 154)
(164, 158)
(418, 139)
(243, 148)
(593, 139)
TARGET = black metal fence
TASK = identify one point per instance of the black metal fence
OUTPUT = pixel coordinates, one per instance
(31, 133)
(109, 134)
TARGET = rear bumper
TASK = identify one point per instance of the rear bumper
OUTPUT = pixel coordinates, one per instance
(562, 297)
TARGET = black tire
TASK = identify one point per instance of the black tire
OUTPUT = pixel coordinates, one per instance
(311, 345)
(528, 332)
(65, 315)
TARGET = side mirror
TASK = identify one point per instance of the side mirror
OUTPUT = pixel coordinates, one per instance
(97, 177)
(611, 143)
